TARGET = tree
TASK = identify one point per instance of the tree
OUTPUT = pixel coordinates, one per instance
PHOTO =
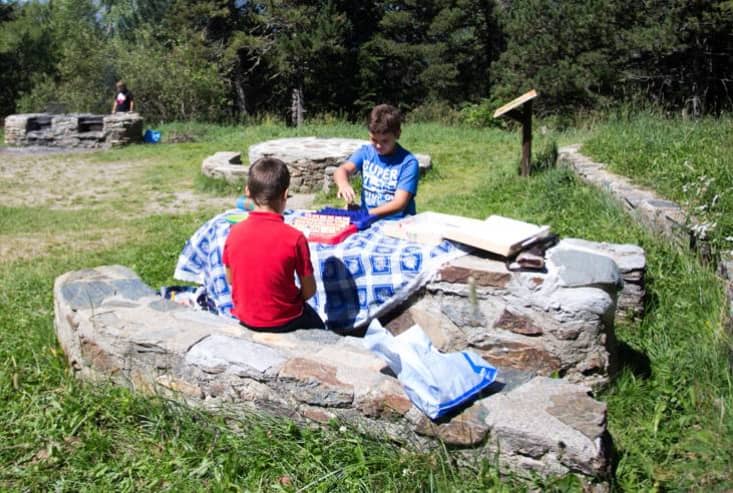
(309, 53)
(27, 51)
(680, 54)
(429, 50)
(566, 50)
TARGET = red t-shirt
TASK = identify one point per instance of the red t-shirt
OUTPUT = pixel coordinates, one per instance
(263, 254)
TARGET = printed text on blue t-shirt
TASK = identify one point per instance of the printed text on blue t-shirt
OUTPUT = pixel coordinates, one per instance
(379, 183)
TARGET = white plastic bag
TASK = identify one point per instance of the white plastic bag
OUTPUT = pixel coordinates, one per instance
(436, 383)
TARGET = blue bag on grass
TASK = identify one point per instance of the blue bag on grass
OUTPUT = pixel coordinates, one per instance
(436, 383)
(151, 136)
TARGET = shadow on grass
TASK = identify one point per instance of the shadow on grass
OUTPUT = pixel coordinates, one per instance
(634, 360)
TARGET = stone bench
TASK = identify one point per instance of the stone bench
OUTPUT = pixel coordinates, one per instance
(225, 166)
(529, 324)
(311, 161)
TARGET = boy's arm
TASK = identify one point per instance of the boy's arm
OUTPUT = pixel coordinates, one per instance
(229, 274)
(307, 286)
(304, 268)
(341, 179)
(398, 203)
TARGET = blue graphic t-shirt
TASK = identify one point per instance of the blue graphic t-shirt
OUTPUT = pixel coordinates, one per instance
(382, 176)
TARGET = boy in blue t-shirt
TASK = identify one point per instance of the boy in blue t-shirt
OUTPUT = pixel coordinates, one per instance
(389, 171)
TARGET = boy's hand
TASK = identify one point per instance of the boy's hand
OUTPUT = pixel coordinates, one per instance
(347, 193)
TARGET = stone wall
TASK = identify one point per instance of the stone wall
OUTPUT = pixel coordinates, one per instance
(559, 322)
(225, 166)
(660, 215)
(73, 130)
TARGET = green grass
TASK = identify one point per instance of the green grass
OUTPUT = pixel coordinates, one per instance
(671, 423)
(690, 162)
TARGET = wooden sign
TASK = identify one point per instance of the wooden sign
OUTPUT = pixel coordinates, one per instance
(516, 103)
(523, 116)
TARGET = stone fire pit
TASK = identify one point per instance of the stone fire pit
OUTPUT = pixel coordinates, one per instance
(78, 130)
(550, 334)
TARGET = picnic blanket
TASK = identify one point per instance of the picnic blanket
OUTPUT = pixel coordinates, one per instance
(359, 279)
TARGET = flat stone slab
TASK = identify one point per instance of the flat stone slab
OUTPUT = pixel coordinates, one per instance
(312, 160)
(225, 166)
(114, 327)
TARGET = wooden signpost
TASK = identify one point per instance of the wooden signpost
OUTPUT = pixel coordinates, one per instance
(520, 109)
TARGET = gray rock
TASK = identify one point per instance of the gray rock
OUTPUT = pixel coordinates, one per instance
(578, 267)
(225, 166)
(240, 356)
(631, 261)
(562, 428)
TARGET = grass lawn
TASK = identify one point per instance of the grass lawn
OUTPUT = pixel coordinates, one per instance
(670, 415)
(690, 162)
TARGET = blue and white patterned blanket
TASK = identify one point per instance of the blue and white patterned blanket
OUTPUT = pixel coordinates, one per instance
(358, 279)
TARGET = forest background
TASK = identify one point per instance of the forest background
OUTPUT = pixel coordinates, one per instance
(228, 61)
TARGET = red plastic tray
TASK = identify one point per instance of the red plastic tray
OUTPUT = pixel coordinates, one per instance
(333, 238)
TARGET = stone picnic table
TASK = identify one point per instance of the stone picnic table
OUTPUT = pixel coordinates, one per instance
(534, 326)
(356, 279)
(311, 161)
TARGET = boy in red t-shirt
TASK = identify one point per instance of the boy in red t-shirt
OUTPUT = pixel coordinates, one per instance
(262, 254)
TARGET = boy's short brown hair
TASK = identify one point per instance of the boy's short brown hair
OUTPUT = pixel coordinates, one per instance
(267, 180)
(385, 118)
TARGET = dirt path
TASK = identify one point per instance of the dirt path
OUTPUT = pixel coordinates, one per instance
(72, 181)
(82, 182)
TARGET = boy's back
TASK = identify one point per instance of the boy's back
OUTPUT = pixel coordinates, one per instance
(262, 256)
(264, 253)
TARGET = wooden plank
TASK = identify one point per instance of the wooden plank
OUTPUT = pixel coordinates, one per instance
(425, 227)
(495, 234)
(515, 103)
